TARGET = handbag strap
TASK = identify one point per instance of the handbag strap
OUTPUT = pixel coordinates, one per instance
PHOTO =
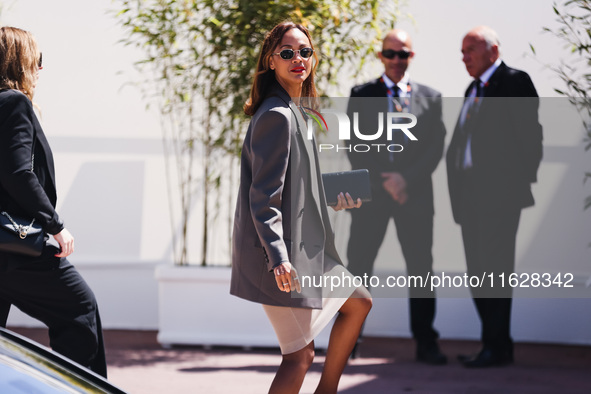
(33, 149)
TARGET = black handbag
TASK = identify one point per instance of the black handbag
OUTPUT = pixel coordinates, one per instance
(355, 182)
(20, 236)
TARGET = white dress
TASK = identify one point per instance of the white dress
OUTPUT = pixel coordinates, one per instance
(297, 327)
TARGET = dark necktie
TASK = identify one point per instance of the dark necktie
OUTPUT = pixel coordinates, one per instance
(396, 106)
(478, 88)
(395, 89)
(467, 125)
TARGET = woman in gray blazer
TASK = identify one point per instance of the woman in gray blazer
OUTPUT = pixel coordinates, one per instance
(281, 228)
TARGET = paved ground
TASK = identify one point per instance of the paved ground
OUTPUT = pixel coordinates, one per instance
(138, 364)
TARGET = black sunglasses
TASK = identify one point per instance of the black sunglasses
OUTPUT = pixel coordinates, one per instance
(40, 64)
(288, 54)
(391, 54)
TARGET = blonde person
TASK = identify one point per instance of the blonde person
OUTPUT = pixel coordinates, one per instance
(46, 287)
(281, 225)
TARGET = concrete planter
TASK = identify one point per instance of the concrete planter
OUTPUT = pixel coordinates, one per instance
(196, 308)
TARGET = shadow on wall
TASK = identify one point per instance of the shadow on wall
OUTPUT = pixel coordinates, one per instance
(555, 234)
(559, 238)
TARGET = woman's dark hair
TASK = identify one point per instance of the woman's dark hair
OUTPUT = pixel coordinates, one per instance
(265, 77)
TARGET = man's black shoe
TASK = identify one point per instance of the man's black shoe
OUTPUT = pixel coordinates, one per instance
(431, 355)
(486, 358)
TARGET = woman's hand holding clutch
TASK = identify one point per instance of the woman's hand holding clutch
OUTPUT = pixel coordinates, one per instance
(345, 201)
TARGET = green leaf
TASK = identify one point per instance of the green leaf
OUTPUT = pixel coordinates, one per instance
(122, 12)
(215, 21)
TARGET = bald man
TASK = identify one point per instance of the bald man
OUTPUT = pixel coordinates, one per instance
(492, 160)
(401, 181)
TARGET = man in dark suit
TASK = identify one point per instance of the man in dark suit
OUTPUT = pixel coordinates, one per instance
(400, 173)
(491, 162)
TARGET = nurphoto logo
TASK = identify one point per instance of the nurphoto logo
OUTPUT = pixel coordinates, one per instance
(395, 122)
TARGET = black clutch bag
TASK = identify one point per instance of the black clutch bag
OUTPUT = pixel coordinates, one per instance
(355, 182)
(20, 236)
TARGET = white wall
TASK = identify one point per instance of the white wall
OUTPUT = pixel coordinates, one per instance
(112, 187)
(438, 27)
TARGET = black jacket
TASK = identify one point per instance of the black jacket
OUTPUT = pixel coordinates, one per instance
(506, 144)
(26, 193)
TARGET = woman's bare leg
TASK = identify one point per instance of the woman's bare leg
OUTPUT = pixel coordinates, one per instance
(291, 372)
(343, 337)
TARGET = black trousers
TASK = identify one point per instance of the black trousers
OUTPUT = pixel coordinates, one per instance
(414, 227)
(489, 233)
(51, 290)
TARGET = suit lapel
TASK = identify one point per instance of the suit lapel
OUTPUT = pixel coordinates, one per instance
(418, 102)
(299, 127)
(380, 89)
(302, 136)
(492, 86)
(315, 174)
(490, 92)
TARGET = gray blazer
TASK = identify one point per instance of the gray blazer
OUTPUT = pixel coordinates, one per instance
(281, 212)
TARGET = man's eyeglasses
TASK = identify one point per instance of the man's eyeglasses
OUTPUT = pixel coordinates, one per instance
(40, 64)
(391, 54)
(288, 54)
